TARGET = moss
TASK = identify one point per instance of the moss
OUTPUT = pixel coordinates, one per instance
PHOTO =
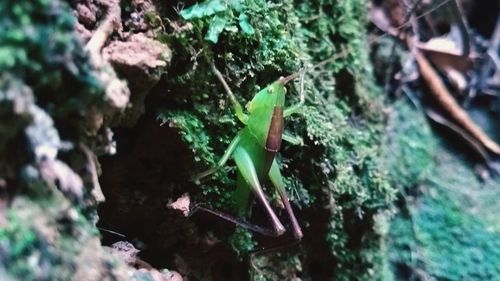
(242, 241)
(444, 228)
(57, 71)
(463, 248)
(409, 145)
(191, 126)
(23, 239)
(46, 86)
(277, 266)
(45, 74)
(17, 242)
(338, 168)
(445, 241)
(46, 241)
(339, 180)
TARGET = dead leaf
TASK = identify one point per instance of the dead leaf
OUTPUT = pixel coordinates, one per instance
(445, 55)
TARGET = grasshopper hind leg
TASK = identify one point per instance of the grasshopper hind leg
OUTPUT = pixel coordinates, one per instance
(247, 171)
(249, 176)
(236, 220)
(277, 181)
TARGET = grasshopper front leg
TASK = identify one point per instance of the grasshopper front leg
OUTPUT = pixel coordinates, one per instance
(295, 140)
(229, 151)
(238, 110)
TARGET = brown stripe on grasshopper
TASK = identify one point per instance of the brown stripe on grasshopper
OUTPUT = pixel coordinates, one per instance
(273, 142)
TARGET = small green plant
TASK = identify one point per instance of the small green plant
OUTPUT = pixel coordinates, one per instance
(222, 15)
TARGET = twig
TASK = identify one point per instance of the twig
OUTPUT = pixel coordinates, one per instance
(495, 40)
(493, 52)
(112, 232)
(411, 19)
(424, 14)
(445, 99)
(436, 117)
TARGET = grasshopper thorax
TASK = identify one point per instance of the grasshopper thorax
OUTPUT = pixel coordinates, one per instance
(265, 122)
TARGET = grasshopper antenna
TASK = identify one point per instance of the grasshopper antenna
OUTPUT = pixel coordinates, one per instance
(112, 232)
(303, 71)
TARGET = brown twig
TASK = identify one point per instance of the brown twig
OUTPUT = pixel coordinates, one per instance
(493, 53)
(477, 147)
(445, 99)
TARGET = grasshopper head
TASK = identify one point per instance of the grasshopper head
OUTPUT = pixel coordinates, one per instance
(285, 80)
(269, 97)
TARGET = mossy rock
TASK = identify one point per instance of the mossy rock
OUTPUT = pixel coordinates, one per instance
(336, 180)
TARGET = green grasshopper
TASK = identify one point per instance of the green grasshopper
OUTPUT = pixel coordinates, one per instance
(254, 150)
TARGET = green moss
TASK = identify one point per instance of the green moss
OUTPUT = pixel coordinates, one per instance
(448, 232)
(242, 241)
(276, 266)
(191, 126)
(21, 238)
(448, 244)
(31, 245)
(457, 246)
(47, 82)
(152, 19)
(18, 242)
(45, 77)
(47, 241)
(39, 45)
(339, 166)
(409, 145)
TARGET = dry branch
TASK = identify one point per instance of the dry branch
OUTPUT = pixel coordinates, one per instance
(445, 99)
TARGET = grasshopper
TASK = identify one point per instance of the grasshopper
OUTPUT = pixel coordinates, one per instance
(254, 150)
